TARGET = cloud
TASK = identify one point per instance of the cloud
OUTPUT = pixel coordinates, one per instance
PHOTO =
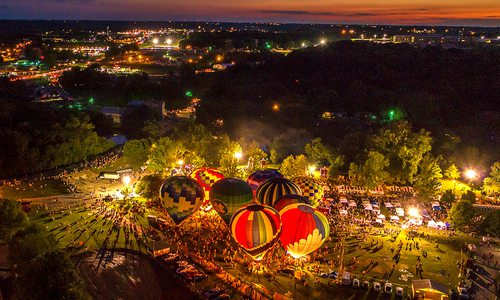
(335, 14)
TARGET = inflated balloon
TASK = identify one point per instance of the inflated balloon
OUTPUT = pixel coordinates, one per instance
(258, 177)
(304, 229)
(270, 191)
(311, 189)
(256, 228)
(228, 195)
(181, 196)
(206, 178)
(289, 199)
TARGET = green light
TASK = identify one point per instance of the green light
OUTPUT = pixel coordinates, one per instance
(268, 45)
(189, 93)
(210, 48)
(91, 100)
(391, 115)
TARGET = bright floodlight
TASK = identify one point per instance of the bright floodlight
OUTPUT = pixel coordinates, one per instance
(238, 155)
(169, 41)
(470, 174)
(155, 41)
(180, 162)
(126, 180)
(312, 169)
(413, 212)
(322, 42)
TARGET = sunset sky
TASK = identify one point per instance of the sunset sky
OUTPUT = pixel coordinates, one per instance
(434, 12)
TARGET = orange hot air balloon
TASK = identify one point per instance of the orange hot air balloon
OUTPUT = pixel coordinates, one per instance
(256, 228)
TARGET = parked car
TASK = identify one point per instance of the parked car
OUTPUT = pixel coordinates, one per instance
(365, 284)
(377, 287)
(346, 278)
(355, 283)
(388, 288)
(399, 291)
(332, 274)
(224, 297)
(213, 292)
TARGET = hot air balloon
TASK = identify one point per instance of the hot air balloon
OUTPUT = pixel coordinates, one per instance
(181, 196)
(311, 189)
(289, 199)
(206, 178)
(260, 176)
(304, 229)
(272, 190)
(256, 228)
(228, 195)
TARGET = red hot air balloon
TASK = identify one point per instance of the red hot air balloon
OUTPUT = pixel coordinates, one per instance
(206, 177)
(304, 229)
(256, 228)
(289, 199)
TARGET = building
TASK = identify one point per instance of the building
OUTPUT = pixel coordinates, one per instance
(427, 289)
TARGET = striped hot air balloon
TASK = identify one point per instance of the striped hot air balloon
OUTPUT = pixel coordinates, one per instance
(311, 189)
(228, 195)
(270, 191)
(304, 229)
(289, 199)
(256, 228)
(206, 177)
(181, 196)
(260, 176)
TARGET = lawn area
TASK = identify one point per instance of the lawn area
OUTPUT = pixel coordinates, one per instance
(86, 230)
(44, 188)
(119, 164)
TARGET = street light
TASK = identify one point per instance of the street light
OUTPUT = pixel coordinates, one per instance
(169, 41)
(155, 41)
(238, 155)
(180, 162)
(471, 174)
(322, 42)
(126, 179)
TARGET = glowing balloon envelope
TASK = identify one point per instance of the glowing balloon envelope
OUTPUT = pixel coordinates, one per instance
(181, 196)
(311, 189)
(270, 191)
(206, 177)
(304, 229)
(289, 199)
(258, 177)
(256, 228)
(228, 195)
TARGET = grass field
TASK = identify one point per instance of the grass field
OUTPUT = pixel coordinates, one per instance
(44, 188)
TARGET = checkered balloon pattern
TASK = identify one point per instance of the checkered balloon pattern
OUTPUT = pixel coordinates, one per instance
(181, 196)
(206, 178)
(311, 189)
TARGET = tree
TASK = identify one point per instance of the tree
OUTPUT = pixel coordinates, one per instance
(427, 182)
(149, 186)
(229, 161)
(491, 223)
(166, 154)
(319, 153)
(372, 173)
(294, 166)
(12, 218)
(29, 243)
(452, 172)
(469, 197)
(461, 214)
(491, 184)
(51, 276)
(253, 152)
(448, 197)
(403, 148)
(137, 150)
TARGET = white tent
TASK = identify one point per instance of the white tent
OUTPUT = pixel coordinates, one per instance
(343, 201)
(431, 224)
(368, 207)
(394, 218)
(400, 212)
(382, 217)
(388, 205)
(441, 225)
(352, 204)
(343, 212)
